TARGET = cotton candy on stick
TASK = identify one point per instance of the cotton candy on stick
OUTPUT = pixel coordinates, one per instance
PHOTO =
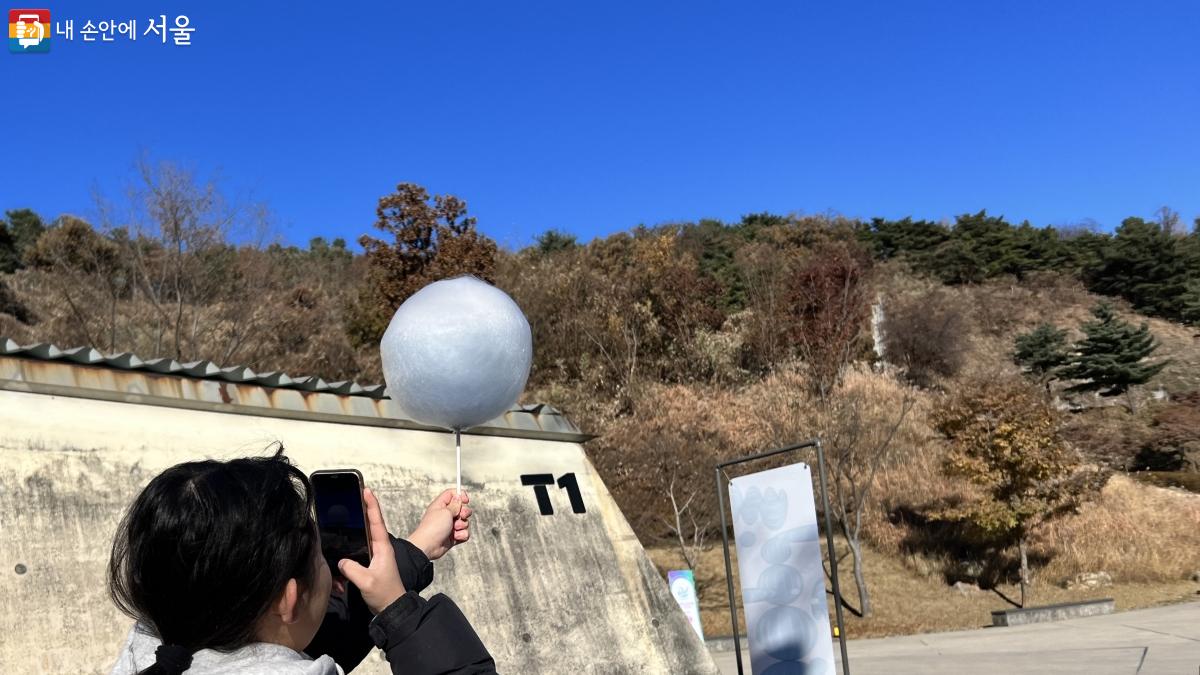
(456, 354)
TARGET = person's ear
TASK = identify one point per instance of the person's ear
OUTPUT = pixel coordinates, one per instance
(285, 605)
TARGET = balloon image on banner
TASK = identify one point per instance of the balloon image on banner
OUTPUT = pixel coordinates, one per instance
(456, 354)
(783, 580)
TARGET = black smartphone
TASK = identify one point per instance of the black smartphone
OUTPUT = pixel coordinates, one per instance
(341, 516)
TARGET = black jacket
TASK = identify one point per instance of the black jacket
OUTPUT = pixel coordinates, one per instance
(418, 636)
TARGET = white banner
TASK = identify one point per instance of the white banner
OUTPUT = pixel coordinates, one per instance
(683, 587)
(783, 581)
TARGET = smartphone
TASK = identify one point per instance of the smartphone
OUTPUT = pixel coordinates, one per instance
(341, 516)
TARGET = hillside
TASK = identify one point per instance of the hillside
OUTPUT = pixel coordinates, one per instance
(684, 344)
(1146, 538)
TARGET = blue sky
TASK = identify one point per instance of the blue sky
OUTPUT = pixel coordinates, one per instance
(595, 117)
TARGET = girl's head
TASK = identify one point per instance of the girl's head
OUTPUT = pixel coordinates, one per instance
(221, 554)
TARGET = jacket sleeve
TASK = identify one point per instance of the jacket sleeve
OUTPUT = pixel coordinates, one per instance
(429, 637)
(343, 632)
(416, 570)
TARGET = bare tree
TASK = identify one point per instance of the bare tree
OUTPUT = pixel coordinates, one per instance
(1168, 220)
(830, 295)
(84, 272)
(690, 537)
(173, 232)
(859, 429)
(763, 270)
(188, 220)
(859, 424)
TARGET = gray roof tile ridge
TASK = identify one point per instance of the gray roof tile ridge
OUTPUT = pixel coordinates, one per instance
(204, 369)
(201, 368)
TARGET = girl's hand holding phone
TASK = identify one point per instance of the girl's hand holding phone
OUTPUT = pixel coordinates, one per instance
(380, 583)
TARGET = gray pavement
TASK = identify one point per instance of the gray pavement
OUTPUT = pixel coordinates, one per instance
(1161, 640)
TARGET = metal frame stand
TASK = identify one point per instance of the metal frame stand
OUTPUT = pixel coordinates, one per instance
(833, 573)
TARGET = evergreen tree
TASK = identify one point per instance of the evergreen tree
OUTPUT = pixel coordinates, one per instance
(1189, 303)
(1041, 352)
(1037, 248)
(10, 259)
(1084, 251)
(889, 239)
(1190, 249)
(1144, 265)
(714, 244)
(553, 241)
(956, 262)
(991, 240)
(24, 226)
(1110, 359)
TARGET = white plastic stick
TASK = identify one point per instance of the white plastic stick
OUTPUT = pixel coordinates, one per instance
(458, 462)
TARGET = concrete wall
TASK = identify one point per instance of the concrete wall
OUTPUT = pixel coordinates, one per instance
(548, 594)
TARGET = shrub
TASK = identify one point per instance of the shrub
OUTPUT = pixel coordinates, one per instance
(829, 298)
(1107, 436)
(10, 304)
(675, 436)
(926, 335)
(619, 311)
(1174, 442)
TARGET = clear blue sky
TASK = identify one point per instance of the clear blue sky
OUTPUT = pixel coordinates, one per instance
(594, 117)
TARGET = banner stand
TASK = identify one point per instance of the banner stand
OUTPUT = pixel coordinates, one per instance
(833, 573)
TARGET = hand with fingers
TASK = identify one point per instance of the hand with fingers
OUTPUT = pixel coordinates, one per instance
(379, 583)
(444, 525)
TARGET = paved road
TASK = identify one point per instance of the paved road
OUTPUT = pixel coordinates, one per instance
(1158, 641)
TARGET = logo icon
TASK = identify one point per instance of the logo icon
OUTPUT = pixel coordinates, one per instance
(28, 31)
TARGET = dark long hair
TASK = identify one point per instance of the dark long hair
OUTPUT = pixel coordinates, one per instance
(207, 546)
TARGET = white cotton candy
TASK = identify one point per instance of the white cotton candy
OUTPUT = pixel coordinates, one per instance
(456, 354)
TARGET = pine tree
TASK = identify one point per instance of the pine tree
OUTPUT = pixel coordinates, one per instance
(1189, 303)
(1143, 264)
(1041, 352)
(902, 238)
(955, 262)
(1084, 252)
(19, 231)
(1037, 248)
(10, 259)
(1110, 359)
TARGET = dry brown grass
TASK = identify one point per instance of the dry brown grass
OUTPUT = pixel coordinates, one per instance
(1147, 538)
(1177, 480)
(1135, 532)
(907, 602)
(780, 405)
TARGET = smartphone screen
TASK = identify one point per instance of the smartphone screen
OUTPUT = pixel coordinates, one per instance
(340, 516)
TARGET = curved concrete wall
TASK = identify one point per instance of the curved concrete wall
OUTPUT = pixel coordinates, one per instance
(548, 593)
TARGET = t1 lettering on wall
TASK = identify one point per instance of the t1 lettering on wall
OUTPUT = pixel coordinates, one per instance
(567, 481)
